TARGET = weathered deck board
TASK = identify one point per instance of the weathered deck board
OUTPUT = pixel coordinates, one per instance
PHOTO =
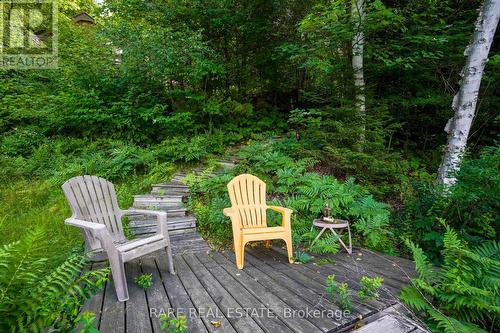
(292, 291)
(208, 287)
(179, 298)
(201, 299)
(296, 296)
(137, 320)
(272, 301)
(312, 281)
(221, 296)
(156, 295)
(113, 312)
(268, 323)
(348, 269)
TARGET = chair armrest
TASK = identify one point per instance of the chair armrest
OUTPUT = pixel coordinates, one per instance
(281, 210)
(230, 211)
(160, 215)
(285, 212)
(97, 230)
(94, 228)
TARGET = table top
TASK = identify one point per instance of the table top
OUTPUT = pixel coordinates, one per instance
(337, 223)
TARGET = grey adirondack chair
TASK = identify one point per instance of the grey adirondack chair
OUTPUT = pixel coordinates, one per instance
(96, 212)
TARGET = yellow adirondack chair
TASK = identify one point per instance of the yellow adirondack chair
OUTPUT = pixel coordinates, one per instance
(248, 216)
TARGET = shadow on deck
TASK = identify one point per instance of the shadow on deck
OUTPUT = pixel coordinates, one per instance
(268, 295)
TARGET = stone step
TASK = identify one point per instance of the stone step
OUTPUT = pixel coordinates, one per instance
(153, 229)
(186, 224)
(187, 221)
(172, 185)
(226, 164)
(170, 209)
(170, 189)
(154, 199)
(185, 234)
(181, 233)
(162, 192)
(158, 205)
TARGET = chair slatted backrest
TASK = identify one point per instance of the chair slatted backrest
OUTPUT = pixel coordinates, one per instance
(93, 199)
(248, 196)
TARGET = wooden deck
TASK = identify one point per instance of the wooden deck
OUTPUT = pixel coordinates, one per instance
(268, 295)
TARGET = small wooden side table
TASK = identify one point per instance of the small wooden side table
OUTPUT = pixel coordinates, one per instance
(336, 224)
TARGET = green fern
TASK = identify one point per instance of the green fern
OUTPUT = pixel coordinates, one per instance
(464, 294)
(32, 299)
(302, 257)
(328, 244)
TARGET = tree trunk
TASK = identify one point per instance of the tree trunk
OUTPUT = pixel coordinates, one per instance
(464, 102)
(358, 16)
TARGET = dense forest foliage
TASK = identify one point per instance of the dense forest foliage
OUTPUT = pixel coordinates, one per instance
(157, 86)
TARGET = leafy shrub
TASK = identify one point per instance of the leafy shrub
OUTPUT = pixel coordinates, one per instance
(339, 293)
(87, 322)
(332, 137)
(461, 295)
(310, 192)
(27, 205)
(32, 299)
(471, 206)
(290, 184)
(369, 288)
(302, 257)
(21, 142)
(211, 221)
(145, 281)
(173, 324)
(326, 244)
(372, 220)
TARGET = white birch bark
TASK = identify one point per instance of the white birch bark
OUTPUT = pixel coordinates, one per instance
(358, 16)
(464, 102)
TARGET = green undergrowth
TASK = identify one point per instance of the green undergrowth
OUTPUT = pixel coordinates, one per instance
(291, 183)
(40, 292)
(462, 295)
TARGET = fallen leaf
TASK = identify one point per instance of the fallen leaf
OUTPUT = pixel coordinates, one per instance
(215, 323)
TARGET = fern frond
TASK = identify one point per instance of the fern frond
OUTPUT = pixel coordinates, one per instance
(452, 325)
(21, 263)
(422, 264)
(411, 296)
(42, 300)
(324, 245)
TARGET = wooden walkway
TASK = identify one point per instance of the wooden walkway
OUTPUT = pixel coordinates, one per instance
(268, 295)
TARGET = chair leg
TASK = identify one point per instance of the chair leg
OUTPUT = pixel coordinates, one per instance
(289, 248)
(119, 279)
(239, 253)
(170, 260)
(350, 241)
(242, 255)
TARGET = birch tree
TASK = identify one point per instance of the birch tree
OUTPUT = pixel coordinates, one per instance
(358, 16)
(464, 102)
